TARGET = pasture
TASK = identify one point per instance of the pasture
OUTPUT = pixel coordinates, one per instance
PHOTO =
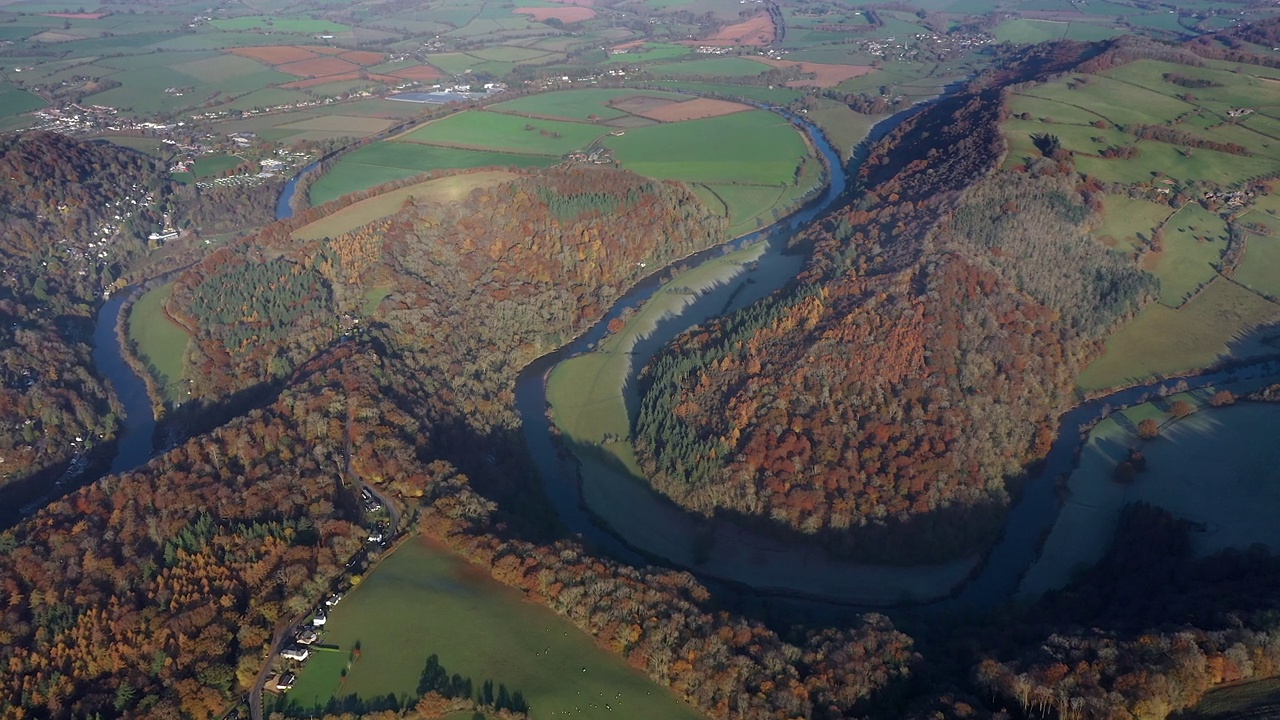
(727, 67)
(439, 191)
(843, 127)
(161, 343)
(385, 161)
(15, 101)
(495, 132)
(1128, 221)
(1224, 321)
(574, 105)
(209, 166)
(1260, 268)
(1217, 468)
(423, 600)
(755, 147)
(1194, 241)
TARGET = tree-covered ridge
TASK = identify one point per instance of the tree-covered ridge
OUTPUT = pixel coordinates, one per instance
(1033, 229)
(154, 593)
(915, 368)
(71, 221)
(521, 267)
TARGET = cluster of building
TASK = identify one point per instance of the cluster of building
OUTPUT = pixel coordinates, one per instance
(299, 648)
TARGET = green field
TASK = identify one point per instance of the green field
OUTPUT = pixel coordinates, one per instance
(755, 147)
(505, 133)
(14, 101)
(1022, 30)
(385, 161)
(208, 166)
(424, 600)
(1127, 221)
(284, 25)
(717, 67)
(574, 104)
(1194, 241)
(649, 52)
(1215, 467)
(1260, 268)
(440, 190)
(1256, 699)
(843, 127)
(773, 95)
(1223, 321)
(161, 342)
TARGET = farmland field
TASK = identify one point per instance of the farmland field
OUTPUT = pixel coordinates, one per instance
(575, 104)
(385, 161)
(1194, 241)
(208, 166)
(161, 343)
(425, 600)
(505, 133)
(1260, 269)
(1215, 467)
(1128, 221)
(14, 101)
(440, 190)
(1223, 321)
(718, 67)
(712, 150)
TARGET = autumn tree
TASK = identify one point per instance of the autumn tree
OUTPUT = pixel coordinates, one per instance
(1149, 429)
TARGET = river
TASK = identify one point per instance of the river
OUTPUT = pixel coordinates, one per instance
(1029, 518)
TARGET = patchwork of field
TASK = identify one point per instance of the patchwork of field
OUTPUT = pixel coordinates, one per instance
(496, 132)
(1224, 321)
(1092, 113)
(438, 191)
(752, 162)
(424, 600)
(385, 161)
(1194, 243)
(825, 75)
(1216, 468)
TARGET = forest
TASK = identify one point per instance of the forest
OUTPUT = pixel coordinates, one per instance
(885, 402)
(110, 588)
(61, 243)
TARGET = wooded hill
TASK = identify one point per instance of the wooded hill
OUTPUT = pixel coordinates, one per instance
(886, 400)
(154, 593)
(61, 242)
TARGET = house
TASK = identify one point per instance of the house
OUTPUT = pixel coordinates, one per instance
(286, 681)
(306, 636)
(319, 620)
(295, 652)
(333, 600)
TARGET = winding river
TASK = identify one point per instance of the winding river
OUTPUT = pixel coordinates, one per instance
(1029, 519)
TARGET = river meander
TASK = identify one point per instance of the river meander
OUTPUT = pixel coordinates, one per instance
(639, 526)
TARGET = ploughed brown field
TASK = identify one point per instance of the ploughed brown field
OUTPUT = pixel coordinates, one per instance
(693, 110)
(826, 75)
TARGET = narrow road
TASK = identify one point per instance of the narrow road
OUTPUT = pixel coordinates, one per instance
(255, 694)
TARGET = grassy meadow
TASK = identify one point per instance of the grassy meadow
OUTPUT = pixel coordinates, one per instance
(439, 191)
(423, 599)
(385, 161)
(1225, 321)
(161, 343)
(755, 147)
(496, 132)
